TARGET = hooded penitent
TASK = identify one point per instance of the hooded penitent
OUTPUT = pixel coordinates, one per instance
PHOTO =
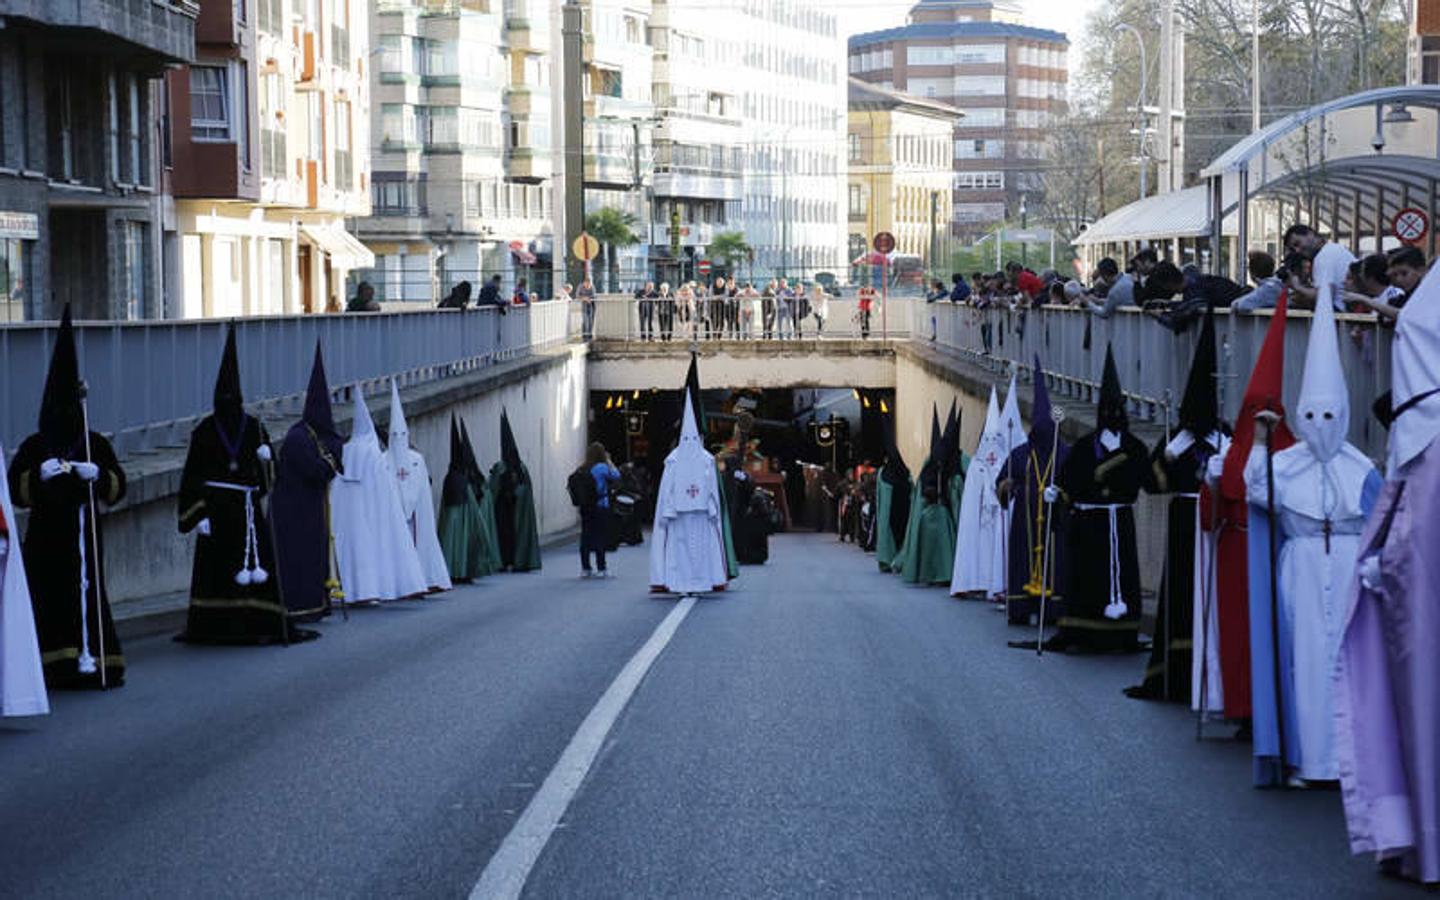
(412, 476)
(928, 552)
(22, 680)
(1388, 679)
(1324, 489)
(954, 462)
(309, 458)
(1035, 543)
(1011, 427)
(892, 501)
(979, 563)
(692, 388)
(233, 598)
(1247, 641)
(1100, 481)
(514, 505)
(374, 550)
(1186, 618)
(687, 550)
(50, 477)
(460, 527)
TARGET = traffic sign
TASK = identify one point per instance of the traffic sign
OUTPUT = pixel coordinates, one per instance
(1411, 225)
(586, 247)
(884, 242)
(704, 267)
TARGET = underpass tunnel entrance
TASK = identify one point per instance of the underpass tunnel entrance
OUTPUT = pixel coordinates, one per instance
(799, 444)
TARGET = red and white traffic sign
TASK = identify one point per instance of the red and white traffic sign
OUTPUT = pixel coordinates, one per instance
(884, 242)
(704, 267)
(1411, 225)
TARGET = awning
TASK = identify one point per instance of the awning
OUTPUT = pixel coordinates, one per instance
(345, 250)
(1179, 214)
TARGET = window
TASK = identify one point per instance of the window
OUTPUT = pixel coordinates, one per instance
(980, 85)
(242, 111)
(134, 260)
(929, 87)
(315, 149)
(983, 117)
(272, 16)
(397, 194)
(853, 140)
(209, 103)
(984, 149)
(980, 54)
(398, 124)
(1430, 60)
(134, 131)
(857, 200)
(344, 166)
(979, 181)
(929, 56)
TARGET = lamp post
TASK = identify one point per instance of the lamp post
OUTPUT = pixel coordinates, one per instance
(1140, 108)
(1024, 223)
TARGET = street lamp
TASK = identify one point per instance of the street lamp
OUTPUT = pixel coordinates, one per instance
(1140, 107)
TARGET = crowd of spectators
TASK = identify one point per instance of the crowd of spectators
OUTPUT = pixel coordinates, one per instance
(1177, 296)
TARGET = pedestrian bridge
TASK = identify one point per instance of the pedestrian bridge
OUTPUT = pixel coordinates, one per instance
(151, 381)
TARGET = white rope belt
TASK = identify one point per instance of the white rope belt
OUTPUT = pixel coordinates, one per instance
(86, 662)
(250, 570)
(1116, 608)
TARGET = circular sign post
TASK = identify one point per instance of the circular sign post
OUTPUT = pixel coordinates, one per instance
(1411, 225)
(884, 242)
(884, 245)
(586, 248)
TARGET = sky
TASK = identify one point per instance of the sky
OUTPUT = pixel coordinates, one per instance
(857, 16)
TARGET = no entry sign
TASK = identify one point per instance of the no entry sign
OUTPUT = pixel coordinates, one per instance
(884, 242)
(1411, 225)
(704, 267)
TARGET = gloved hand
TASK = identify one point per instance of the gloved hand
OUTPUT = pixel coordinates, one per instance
(50, 468)
(1052, 493)
(1214, 468)
(1369, 569)
(86, 471)
(264, 453)
(203, 529)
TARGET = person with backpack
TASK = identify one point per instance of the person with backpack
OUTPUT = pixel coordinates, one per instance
(589, 488)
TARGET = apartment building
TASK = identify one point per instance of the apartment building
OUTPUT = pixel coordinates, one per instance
(266, 156)
(83, 213)
(1424, 65)
(900, 171)
(464, 145)
(791, 83)
(1008, 77)
(698, 159)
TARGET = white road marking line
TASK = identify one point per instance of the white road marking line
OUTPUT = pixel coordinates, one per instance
(505, 875)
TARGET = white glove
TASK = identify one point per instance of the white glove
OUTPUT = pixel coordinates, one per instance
(50, 468)
(203, 529)
(263, 453)
(1052, 493)
(1214, 468)
(86, 471)
(1369, 569)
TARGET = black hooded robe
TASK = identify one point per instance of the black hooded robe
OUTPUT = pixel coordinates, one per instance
(52, 554)
(514, 506)
(310, 457)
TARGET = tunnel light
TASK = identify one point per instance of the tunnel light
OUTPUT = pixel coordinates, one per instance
(883, 407)
(866, 401)
(855, 392)
(609, 403)
(636, 395)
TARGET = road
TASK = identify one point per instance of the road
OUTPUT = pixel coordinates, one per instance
(820, 729)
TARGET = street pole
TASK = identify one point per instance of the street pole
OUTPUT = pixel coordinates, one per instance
(1254, 65)
(1024, 223)
(934, 248)
(1140, 110)
(1166, 173)
(572, 37)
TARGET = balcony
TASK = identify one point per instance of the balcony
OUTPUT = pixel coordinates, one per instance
(526, 164)
(163, 28)
(679, 181)
(697, 233)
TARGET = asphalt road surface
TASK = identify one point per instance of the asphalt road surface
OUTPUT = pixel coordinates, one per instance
(821, 729)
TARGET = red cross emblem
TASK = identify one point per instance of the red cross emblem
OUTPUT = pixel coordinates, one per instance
(403, 474)
(693, 491)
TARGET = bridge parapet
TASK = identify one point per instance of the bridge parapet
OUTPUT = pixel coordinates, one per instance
(1154, 362)
(151, 380)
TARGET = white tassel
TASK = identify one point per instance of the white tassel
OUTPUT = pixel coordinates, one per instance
(85, 662)
(259, 575)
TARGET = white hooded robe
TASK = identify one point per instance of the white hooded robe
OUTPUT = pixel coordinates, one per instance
(687, 547)
(373, 548)
(417, 500)
(22, 680)
(979, 536)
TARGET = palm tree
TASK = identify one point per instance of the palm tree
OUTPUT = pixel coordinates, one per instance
(613, 228)
(730, 248)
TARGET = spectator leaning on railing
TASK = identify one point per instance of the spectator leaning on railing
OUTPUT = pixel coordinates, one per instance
(1119, 288)
(1330, 263)
(1268, 287)
(1407, 268)
(490, 295)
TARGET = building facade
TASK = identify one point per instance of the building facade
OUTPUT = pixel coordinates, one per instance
(1008, 77)
(83, 210)
(900, 172)
(464, 146)
(267, 157)
(791, 82)
(1424, 65)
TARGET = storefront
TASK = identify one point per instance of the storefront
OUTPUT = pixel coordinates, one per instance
(18, 233)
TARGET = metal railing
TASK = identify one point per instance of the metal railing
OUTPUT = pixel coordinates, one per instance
(618, 319)
(1154, 362)
(150, 381)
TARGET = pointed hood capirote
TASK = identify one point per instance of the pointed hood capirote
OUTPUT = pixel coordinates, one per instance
(692, 388)
(1264, 391)
(1042, 423)
(61, 418)
(363, 427)
(1322, 411)
(1110, 411)
(470, 463)
(689, 468)
(950, 443)
(895, 471)
(229, 403)
(935, 431)
(1200, 406)
(457, 449)
(509, 451)
(1012, 427)
(398, 449)
(319, 415)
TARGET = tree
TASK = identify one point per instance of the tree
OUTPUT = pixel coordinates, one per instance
(729, 247)
(613, 228)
